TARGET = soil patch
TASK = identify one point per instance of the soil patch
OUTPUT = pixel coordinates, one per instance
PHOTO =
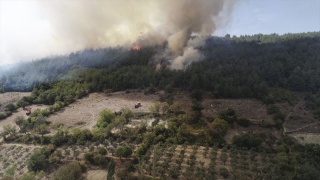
(97, 175)
(251, 109)
(11, 97)
(305, 138)
(19, 112)
(88, 108)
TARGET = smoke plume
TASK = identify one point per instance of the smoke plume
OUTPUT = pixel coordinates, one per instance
(76, 25)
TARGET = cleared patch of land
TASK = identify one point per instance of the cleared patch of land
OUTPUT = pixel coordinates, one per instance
(305, 138)
(249, 108)
(301, 120)
(11, 97)
(87, 109)
(19, 112)
(97, 175)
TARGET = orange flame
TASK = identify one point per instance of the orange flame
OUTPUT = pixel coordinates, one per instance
(137, 47)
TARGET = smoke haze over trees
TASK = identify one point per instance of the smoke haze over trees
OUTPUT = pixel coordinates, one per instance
(235, 67)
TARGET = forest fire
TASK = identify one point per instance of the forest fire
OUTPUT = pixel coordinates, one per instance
(137, 47)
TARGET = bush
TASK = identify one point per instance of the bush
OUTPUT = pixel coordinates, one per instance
(246, 140)
(124, 152)
(89, 157)
(272, 109)
(244, 122)
(267, 123)
(95, 158)
(224, 172)
(102, 151)
(71, 171)
(218, 127)
(229, 115)
(10, 107)
(36, 161)
(2, 116)
(197, 95)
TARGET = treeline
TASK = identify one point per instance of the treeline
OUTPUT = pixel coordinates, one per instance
(23, 76)
(237, 67)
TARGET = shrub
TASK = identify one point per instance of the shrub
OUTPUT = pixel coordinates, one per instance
(71, 171)
(124, 152)
(272, 109)
(244, 122)
(102, 151)
(224, 172)
(218, 127)
(229, 115)
(10, 107)
(36, 161)
(246, 140)
(89, 156)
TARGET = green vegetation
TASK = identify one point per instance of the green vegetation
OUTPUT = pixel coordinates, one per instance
(124, 152)
(188, 145)
(111, 169)
(36, 161)
(71, 171)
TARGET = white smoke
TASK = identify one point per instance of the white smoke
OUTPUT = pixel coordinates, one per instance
(78, 24)
(189, 56)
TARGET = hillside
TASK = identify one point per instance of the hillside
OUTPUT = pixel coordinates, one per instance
(249, 110)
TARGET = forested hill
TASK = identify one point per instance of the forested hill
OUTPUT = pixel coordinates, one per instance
(235, 67)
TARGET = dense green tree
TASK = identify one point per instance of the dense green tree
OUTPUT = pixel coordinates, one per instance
(10, 107)
(224, 172)
(36, 161)
(111, 169)
(105, 118)
(244, 122)
(8, 131)
(218, 127)
(71, 171)
(102, 151)
(42, 129)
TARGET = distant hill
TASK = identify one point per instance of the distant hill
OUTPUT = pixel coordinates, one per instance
(245, 66)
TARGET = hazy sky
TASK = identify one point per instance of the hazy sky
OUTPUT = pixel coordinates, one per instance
(274, 16)
(27, 33)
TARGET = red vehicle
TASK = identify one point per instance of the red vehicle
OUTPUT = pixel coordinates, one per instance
(137, 105)
(28, 112)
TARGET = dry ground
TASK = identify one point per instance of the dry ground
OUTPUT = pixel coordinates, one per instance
(96, 175)
(11, 97)
(305, 138)
(87, 109)
(19, 112)
(249, 108)
(301, 120)
(15, 155)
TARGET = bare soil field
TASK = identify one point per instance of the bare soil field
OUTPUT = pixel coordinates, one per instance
(305, 138)
(11, 97)
(301, 120)
(19, 112)
(96, 175)
(87, 109)
(249, 108)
